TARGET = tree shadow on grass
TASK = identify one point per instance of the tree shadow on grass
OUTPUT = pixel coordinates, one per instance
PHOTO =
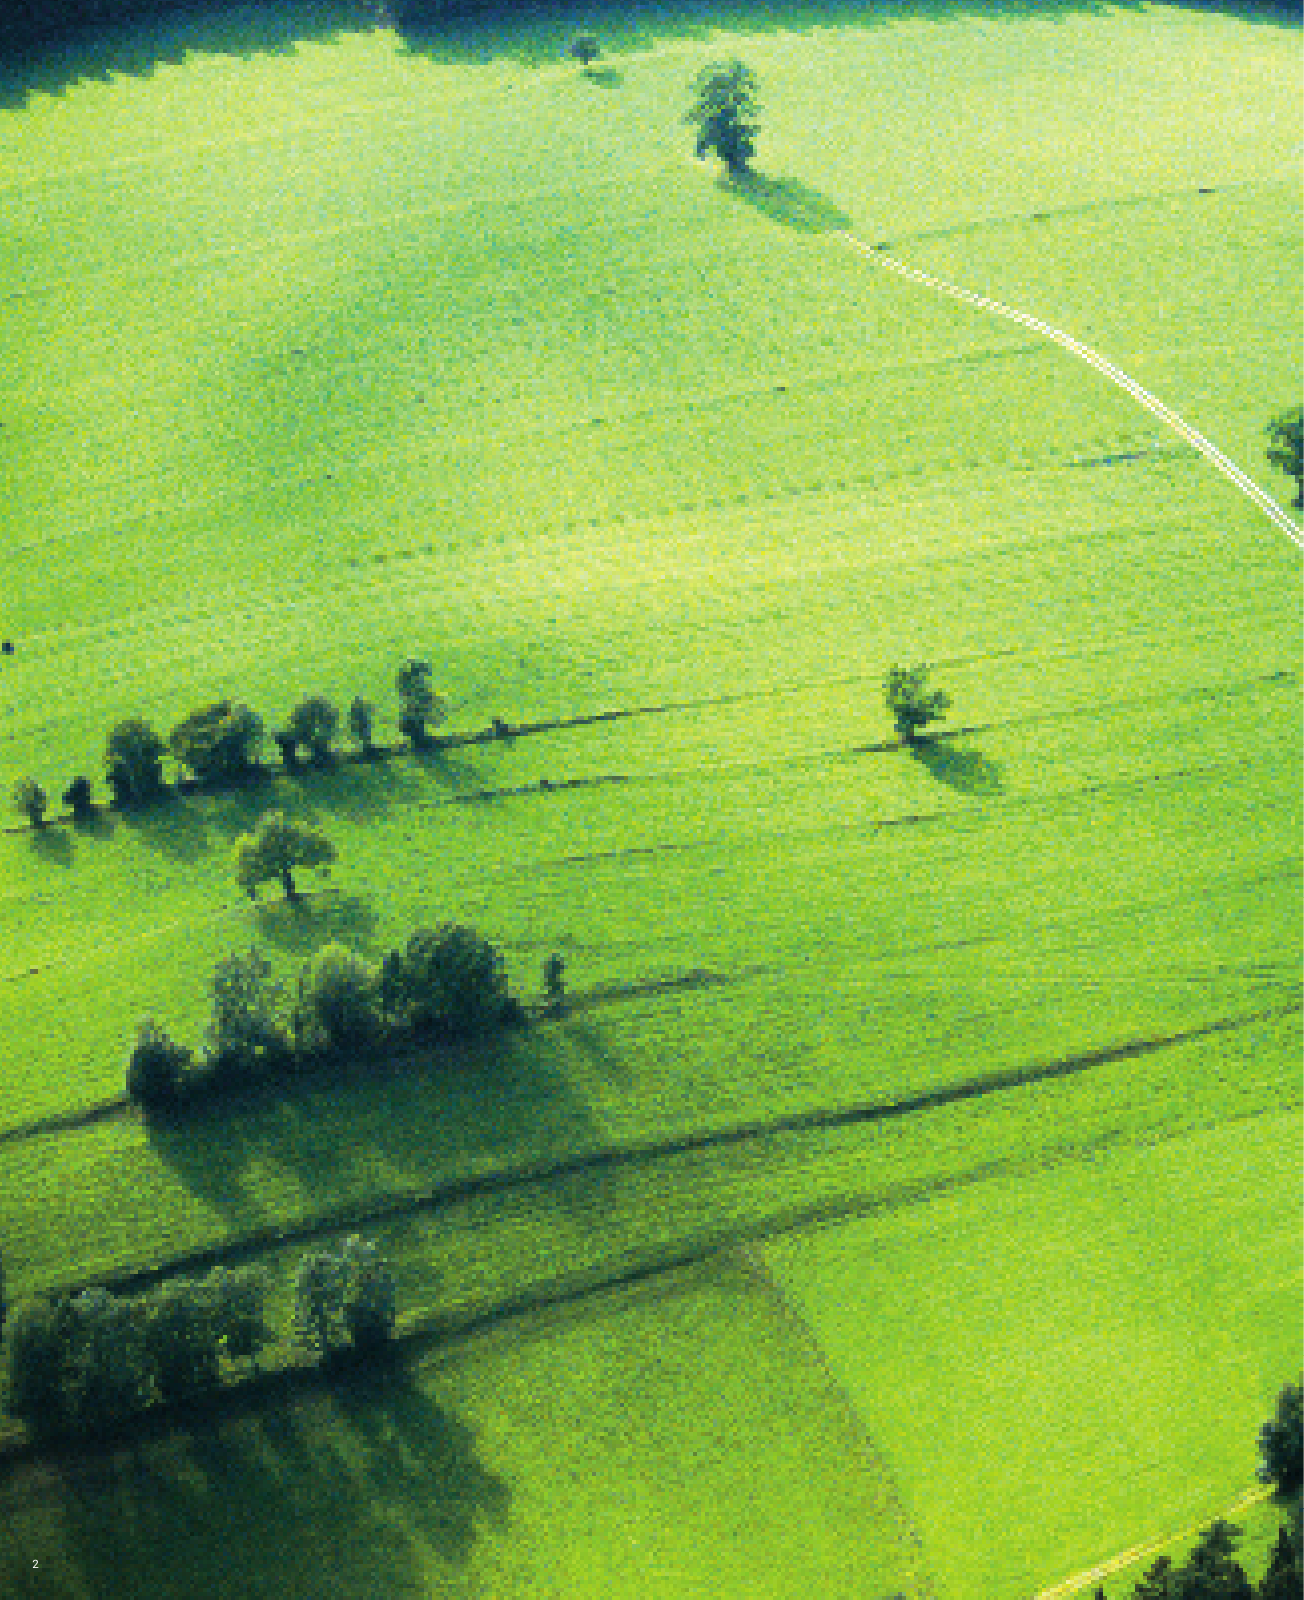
(303, 927)
(328, 1494)
(364, 1129)
(967, 771)
(787, 201)
(170, 825)
(54, 845)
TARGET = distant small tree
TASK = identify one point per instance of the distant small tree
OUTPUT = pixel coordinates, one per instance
(725, 112)
(276, 849)
(319, 1302)
(180, 1339)
(554, 982)
(362, 721)
(584, 49)
(77, 797)
(338, 1003)
(239, 1308)
(30, 800)
(448, 983)
(157, 1066)
(418, 703)
(133, 760)
(1281, 1443)
(910, 702)
(369, 1296)
(1286, 448)
(218, 741)
(40, 1334)
(245, 1032)
(314, 723)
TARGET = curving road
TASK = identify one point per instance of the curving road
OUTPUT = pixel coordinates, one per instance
(1152, 403)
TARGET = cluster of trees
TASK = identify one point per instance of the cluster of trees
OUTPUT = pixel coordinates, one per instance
(1211, 1571)
(222, 743)
(444, 984)
(81, 1363)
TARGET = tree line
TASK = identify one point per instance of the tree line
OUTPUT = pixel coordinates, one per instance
(442, 985)
(80, 1363)
(222, 743)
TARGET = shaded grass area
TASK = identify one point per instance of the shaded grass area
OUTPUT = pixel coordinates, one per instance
(612, 1454)
(1013, 1338)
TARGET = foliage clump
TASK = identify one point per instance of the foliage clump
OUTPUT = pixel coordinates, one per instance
(218, 741)
(447, 983)
(419, 705)
(30, 800)
(313, 724)
(344, 1301)
(338, 1003)
(1286, 448)
(133, 760)
(157, 1067)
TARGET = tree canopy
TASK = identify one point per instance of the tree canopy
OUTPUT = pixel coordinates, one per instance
(726, 113)
(275, 849)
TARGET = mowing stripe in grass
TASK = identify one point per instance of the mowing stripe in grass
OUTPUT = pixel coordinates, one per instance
(1152, 403)
(644, 1152)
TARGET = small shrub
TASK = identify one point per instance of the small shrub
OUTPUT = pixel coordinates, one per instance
(77, 797)
(362, 721)
(157, 1067)
(369, 1296)
(30, 800)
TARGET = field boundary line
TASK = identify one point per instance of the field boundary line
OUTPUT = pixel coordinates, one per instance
(757, 1271)
(1138, 1552)
(1222, 462)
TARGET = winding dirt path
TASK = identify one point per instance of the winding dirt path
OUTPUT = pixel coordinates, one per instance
(1223, 463)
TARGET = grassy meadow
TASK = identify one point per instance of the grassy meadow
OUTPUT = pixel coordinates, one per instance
(323, 345)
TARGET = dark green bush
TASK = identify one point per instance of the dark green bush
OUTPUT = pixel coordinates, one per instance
(447, 983)
(157, 1067)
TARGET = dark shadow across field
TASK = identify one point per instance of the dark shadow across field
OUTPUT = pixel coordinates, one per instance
(367, 1130)
(463, 34)
(326, 1496)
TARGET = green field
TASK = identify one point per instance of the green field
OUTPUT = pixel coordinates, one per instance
(323, 345)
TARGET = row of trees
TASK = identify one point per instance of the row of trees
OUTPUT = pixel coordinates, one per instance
(80, 1363)
(222, 743)
(444, 984)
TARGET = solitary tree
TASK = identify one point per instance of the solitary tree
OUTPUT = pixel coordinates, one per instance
(362, 721)
(584, 48)
(218, 741)
(1281, 1443)
(339, 1002)
(910, 702)
(133, 760)
(447, 982)
(275, 849)
(31, 800)
(418, 704)
(314, 723)
(725, 113)
(1286, 448)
